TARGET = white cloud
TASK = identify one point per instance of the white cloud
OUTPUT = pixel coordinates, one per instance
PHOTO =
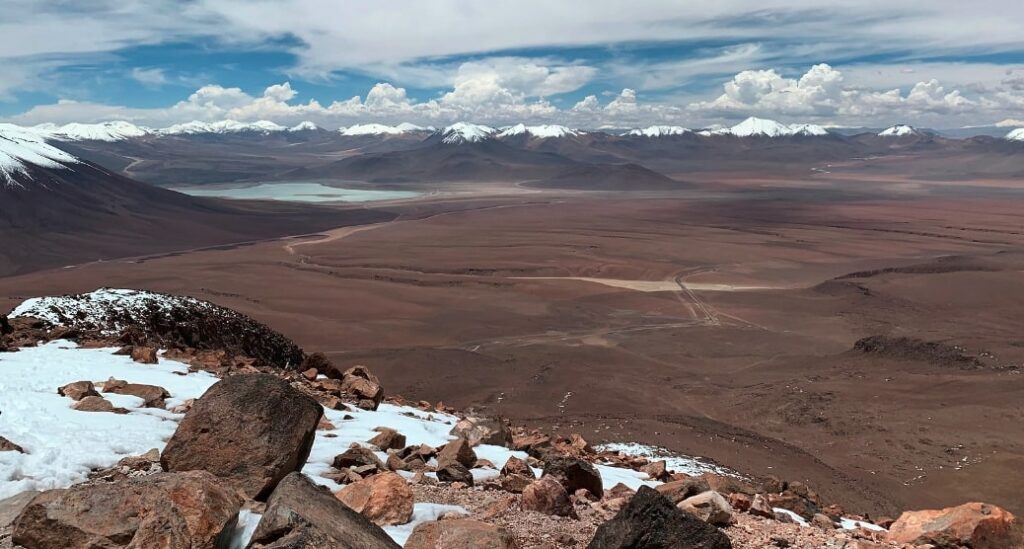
(154, 77)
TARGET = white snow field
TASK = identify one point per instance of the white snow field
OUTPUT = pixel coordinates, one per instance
(22, 147)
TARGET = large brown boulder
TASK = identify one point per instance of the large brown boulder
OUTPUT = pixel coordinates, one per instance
(455, 472)
(483, 430)
(516, 466)
(385, 498)
(189, 509)
(388, 439)
(459, 534)
(78, 390)
(358, 456)
(975, 525)
(97, 404)
(574, 474)
(710, 506)
(651, 521)
(548, 496)
(303, 515)
(251, 429)
(458, 450)
(678, 490)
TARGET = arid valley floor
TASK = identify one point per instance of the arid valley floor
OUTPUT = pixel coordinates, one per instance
(718, 321)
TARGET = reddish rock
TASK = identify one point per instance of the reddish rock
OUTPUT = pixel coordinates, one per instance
(145, 355)
(384, 499)
(679, 490)
(574, 445)
(975, 525)
(794, 502)
(727, 485)
(823, 521)
(459, 534)
(368, 394)
(759, 507)
(97, 404)
(710, 506)
(483, 430)
(455, 472)
(325, 425)
(357, 456)
(78, 390)
(530, 443)
(310, 374)
(516, 466)
(620, 490)
(163, 510)
(388, 439)
(458, 450)
(152, 396)
(251, 429)
(656, 470)
(740, 502)
(574, 474)
(301, 514)
(548, 496)
(8, 446)
(515, 482)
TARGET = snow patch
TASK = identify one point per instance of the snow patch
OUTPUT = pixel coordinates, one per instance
(761, 127)
(117, 130)
(63, 445)
(305, 126)
(543, 131)
(381, 129)
(223, 127)
(1016, 135)
(246, 527)
(675, 462)
(796, 518)
(656, 131)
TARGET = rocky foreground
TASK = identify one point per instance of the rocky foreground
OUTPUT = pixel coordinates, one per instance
(257, 445)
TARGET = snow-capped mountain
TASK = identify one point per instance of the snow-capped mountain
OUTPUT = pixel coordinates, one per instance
(1016, 135)
(464, 132)
(899, 130)
(382, 129)
(117, 130)
(761, 127)
(21, 148)
(656, 131)
(224, 126)
(305, 126)
(543, 131)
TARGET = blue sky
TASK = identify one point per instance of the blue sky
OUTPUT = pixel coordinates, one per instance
(585, 63)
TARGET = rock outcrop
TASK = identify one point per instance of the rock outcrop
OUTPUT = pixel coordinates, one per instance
(651, 521)
(384, 498)
(974, 525)
(459, 534)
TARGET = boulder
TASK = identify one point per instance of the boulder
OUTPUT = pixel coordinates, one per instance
(11, 507)
(797, 503)
(357, 456)
(574, 445)
(740, 502)
(533, 443)
(385, 498)
(459, 534)
(759, 507)
(727, 485)
(190, 509)
(678, 490)
(516, 466)
(975, 525)
(145, 355)
(548, 496)
(458, 450)
(152, 396)
(650, 520)
(78, 390)
(483, 430)
(656, 470)
(388, 439)
(8, 446)
(822, 521)
(301, 514)
(710, 506)
(515, 482)
(455, 472)
(574, 474)
(251, 429)
(97, 404)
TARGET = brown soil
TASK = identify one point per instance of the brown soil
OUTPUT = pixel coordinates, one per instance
(440, 304)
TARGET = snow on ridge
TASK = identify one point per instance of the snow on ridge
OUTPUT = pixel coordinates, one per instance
(303, 127)
(542, 131)
(224, 126)
(21, 147)
(1016, 135)
(656, 131)
(899, 130)
(763, 127)
(109, 307)
(116, 130)
(381, 129)
(464, 132)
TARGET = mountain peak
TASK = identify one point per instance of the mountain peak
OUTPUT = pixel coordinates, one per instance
(224, 126)
(305, 126)
(1016, 135)
(760, 127)
(464, 132)
(381, 129)
(899, 130)
(116, 130)
(542, 131)
(21, 148)
(656, 131)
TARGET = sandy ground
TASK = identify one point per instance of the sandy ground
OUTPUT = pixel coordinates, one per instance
(478, 301)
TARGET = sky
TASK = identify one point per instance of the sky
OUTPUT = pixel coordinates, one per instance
(581, 63)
